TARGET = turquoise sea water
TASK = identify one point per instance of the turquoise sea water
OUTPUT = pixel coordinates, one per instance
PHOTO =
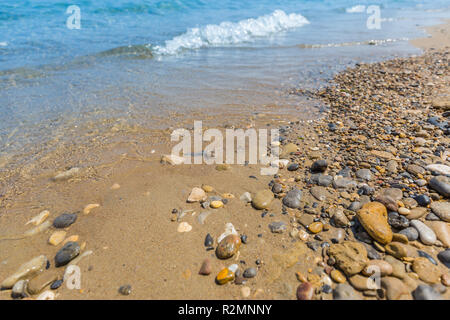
(130, 59)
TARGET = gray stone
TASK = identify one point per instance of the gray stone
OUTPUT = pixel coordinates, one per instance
(344, 291)
(277, 227)
(319, 166)
(64, 220)
(322, 179)
(444, 257)
(427, 236)
(440, 184)
(344, 183)
(320, 193)
(424, 292)
(411, 233)
(364, 174)
(442, 210)
(250, 273)
(292, 199)
(68, 252)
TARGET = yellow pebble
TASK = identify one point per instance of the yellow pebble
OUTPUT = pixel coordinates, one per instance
(337, 276)
(301, 277)
(57, 237)
(216, 204)
(207, 188)
(315, 227)
(225, 276)
(73, 238)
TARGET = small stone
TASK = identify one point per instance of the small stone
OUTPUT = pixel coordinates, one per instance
(424, 292)
(277, 227)
(427, 236)
(339, 219)
(320, 193)
(441, 169)
(380, 267)
(197, 195)
(223, 167)
(262, 199)
(245, 292)
(184, 227)
(19, 290)
(360, 282)
(87, 209)
(415, 169)
(57, 237)
(364, 174)
(337, 276)
(125, 290)
(56, 284)
(373, 217)
(216, 204)
(246, 197)
(64, 220)
(305, 291)
(319, 166)
(441, 185)
(68, 252)
(344, 183)
(315, 227)
(225, 276)
(207, 188)
(292, 199)
(423, 200)
(293, 167)
(228, 246)
(209, 241)
(444, 257)
(206, 268)
(426, 271)
(37, 284)
(442, 210)
(395, 289)
(442, 231)
(249, 273)
(66, 175)
(416, 213)
(351, 257)
(26, 270)
(344, 291)
(41, 217)
(411, 233)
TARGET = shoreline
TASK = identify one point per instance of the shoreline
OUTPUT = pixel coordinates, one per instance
(131, 234)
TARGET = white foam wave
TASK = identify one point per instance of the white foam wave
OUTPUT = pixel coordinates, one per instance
(356, 9)
(228, 33)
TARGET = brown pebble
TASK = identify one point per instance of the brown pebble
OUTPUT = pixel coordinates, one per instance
(305, 291)
(205, 269)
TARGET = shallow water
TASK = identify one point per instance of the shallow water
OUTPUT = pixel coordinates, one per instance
(140, 62)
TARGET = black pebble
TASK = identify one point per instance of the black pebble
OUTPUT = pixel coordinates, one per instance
(209, 240)
(125, 290)
(56, 284)
(64, 220)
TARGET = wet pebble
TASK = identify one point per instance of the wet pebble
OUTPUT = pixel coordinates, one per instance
(68, 252)
(64, 220)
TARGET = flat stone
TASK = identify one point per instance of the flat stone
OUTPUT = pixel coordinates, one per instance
(320, 193)
(322, 179)
(441, 230)
(277, 227)
(373, 217)
(262, 199)
(250, 273)
(441, 185)
(68, 252)
(25, 271)
(228, 246)
(400, 250)
(415, 169)
(344, 291)
(392, 166)
(398, 268)
(427, 236)
(364, 174)
(442, 210)
(395, 289)
(197, 195)
(416, 213)
(344, 183)
(360, 282)
(351, 257)
(57, 237)
(38, 283)
(426, 270)
(64, 220)
(441, 169)
(380, 267)
(292, 199)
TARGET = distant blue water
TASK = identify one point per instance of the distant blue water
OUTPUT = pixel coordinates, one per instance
(131, 59)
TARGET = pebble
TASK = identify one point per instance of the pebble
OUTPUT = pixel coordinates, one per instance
(125, 290)
(442, 231)
(197, 195)
(315, 227)
(41, 217)
(250, 273)
(373, 217)
(441, 184)
(337, 276)
(361, 283)
(262, 199)
(344, 183)
(426, 255)
(339, 219)
(184, 227)
(224, 276)
(424, 292)
(207, 188)
(19, 290)
(395, 289)
(57, 237)
(427, 236)
(64, 220)
(422, 200)
(292, 199)
(411, 233)
(26, 270)
(305, 291)
(205, 268)
(245, 292)
(87, 209)
(56, 284)
(319, 166)
(441, 169)
(293, 167)
(246, 197)
(209, 241)
(344, 291)
(38, 283)
(444, 257)
(277, 227)
(416, 213)
(322, 180)
(380, 267)
(442, 210)
(68, 252)
(228, 246)
(66, 175)
(320, 193)
(364, 174)
(426, 271)
(216, 204)
(350, 256)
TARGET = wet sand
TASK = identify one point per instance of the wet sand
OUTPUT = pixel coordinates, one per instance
(132, 235)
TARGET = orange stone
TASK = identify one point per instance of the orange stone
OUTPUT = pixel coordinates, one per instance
(225, 276)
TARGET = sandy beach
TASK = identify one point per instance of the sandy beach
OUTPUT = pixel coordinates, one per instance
(373, 173)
